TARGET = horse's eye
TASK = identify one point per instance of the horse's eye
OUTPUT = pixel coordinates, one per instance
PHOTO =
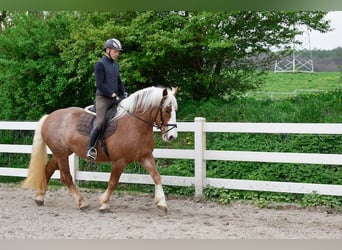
(168, 109)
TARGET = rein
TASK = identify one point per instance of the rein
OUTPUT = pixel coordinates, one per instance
(154, 124)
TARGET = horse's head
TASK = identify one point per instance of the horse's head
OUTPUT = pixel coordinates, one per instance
(163, 103)
(166, 121)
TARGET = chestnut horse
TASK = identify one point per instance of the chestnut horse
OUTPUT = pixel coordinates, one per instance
(132, 141)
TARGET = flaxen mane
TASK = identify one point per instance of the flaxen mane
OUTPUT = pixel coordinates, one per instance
(143, 100)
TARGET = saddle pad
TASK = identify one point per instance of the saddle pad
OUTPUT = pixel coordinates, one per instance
(86, 122)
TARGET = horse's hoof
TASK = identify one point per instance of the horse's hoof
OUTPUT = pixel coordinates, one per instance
(84, 207)
(162, 205)
(105, 211)
(104, 208)
(164, 209)
(39, 202)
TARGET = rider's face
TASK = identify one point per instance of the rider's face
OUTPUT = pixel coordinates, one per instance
(113, 53)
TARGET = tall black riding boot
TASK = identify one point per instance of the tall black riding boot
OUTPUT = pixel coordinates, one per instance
(92, 152)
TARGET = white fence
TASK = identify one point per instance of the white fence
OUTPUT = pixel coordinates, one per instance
(200, 155)
(277, 94)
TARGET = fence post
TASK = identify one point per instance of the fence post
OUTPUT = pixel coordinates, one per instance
(74, 166)
(200, 164)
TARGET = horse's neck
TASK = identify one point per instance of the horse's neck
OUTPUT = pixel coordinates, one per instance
(149, 116)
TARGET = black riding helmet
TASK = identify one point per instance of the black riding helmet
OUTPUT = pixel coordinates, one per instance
(112, 43)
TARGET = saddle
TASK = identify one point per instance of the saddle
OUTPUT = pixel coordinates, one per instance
(87, 119)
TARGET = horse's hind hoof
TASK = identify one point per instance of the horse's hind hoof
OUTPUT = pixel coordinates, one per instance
(39, 202)
(104, 208)
(105, 211)
(84, 207)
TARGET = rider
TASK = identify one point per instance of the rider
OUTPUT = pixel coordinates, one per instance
(108, 88)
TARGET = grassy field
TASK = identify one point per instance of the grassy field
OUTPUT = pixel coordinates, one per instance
(284, 85)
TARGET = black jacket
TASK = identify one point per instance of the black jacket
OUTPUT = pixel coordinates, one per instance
(107, 77)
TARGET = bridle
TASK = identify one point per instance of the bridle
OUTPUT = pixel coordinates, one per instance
(154, 124)
(160, 127)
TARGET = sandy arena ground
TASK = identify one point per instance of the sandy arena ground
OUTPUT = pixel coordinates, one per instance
(136, 217)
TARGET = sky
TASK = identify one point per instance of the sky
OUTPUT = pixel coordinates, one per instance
(332, 39)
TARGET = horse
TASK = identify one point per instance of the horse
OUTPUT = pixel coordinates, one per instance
(132, 141)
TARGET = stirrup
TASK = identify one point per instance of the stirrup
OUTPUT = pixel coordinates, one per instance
(92, 153)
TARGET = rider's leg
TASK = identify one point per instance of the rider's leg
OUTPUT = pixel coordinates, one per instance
(102, 105)
(92, 152)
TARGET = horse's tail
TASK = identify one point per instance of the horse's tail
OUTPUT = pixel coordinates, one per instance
(36, 174)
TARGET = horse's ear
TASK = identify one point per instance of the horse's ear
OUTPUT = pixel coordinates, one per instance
(175, 90)
(165, 92)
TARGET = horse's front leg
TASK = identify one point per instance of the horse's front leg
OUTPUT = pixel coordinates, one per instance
(115, 174)
(159, 197)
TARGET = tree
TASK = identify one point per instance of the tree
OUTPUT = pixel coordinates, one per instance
(47, 58)
(30, 65)
(209, 54)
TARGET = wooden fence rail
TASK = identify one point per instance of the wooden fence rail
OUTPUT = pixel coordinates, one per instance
(200, 155)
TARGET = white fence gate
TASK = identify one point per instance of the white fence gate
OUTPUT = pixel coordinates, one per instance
(200, 155)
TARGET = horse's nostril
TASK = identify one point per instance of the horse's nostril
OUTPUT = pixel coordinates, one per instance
(171, 138)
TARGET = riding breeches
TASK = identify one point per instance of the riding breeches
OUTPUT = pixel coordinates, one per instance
(102, 105)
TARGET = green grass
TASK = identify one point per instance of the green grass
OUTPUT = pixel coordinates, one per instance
(284, 85)
(291, 81)
(306, 108)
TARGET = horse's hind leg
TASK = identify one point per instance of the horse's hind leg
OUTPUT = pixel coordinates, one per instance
(66, 178)
(115, 174)
(50, 169)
